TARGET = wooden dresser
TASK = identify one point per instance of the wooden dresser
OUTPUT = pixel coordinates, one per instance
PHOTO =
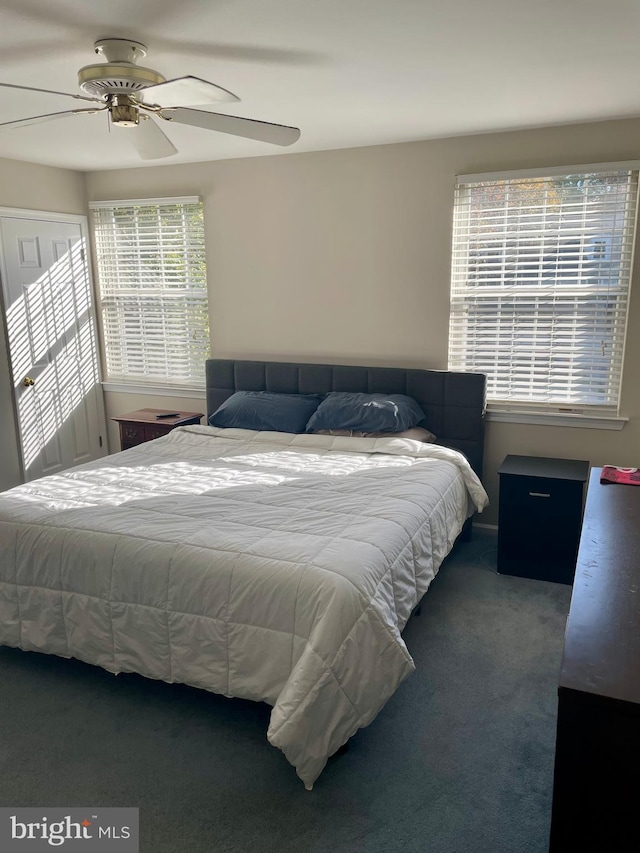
(597, 766)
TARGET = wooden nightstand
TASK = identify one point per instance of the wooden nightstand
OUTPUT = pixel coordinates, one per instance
(540, 516)
(140, 426)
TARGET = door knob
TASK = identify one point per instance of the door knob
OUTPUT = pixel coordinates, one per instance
(28, 382)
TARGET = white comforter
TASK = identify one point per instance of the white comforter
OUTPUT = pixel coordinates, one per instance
(260, 565)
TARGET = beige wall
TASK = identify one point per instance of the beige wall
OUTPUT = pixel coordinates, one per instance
(345, 256)
(25, 185)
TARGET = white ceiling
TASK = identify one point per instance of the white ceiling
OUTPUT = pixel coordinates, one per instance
(347, 72)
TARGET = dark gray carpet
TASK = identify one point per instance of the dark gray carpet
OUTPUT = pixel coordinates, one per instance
(459, 761)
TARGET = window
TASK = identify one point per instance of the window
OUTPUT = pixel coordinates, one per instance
(540, 287)
(153, 290)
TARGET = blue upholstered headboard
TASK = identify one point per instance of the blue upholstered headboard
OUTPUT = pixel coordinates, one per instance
(454, 403)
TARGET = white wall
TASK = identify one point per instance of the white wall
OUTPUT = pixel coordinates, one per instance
(32, 187)
(344, 256)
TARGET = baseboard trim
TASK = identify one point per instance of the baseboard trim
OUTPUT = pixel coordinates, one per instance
(492, 528)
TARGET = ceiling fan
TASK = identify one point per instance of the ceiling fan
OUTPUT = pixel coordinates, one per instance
(133, 96)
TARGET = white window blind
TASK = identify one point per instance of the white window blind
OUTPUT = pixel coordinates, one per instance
(540, 284)
(153, 290)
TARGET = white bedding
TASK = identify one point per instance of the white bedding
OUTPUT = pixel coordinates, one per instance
(259, 565)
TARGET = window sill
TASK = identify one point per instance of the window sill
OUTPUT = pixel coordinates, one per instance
(154, 390)
(556, 419)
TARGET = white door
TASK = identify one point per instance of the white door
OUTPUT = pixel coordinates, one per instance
(52, 344)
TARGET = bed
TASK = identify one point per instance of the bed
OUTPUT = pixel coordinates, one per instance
(270, 566)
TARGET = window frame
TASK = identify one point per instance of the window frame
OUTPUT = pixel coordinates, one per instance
(521, 411)
(155, 385)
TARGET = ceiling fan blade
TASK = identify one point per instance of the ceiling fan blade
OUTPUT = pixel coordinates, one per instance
(152, 142)
(65, 15)
(186, 92)
(25, 122)
(51, 92)
(278, 134)
(237, 52)
(54, 14)
(21, 52)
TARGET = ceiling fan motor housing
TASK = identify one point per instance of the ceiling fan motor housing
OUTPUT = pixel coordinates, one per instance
(112, 78)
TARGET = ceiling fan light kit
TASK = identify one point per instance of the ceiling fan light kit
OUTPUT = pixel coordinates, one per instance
(123, 112)
(125, 89)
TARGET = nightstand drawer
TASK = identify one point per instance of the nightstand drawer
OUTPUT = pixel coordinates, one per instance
(132, 433)
(151, 432)
(542, 496)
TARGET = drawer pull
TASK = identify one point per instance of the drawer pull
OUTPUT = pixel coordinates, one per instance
(540, 494)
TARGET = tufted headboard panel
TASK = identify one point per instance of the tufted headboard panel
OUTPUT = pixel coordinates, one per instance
(454, 403)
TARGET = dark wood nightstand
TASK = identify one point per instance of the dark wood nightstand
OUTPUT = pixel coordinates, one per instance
(140, 426)
(540, 516)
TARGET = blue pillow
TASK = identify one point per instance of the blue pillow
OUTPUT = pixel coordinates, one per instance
(366, 412)
(265, 410)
